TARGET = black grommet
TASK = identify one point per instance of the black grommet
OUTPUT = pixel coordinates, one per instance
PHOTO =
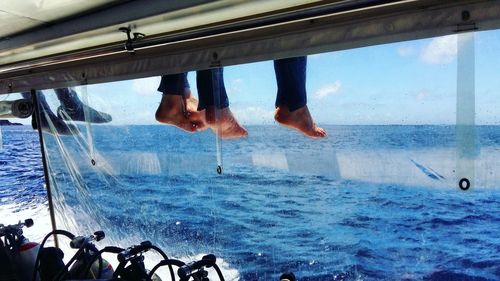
(215, 55)
(219, 169)
(465, 15)
(93, 162)
(464, 184)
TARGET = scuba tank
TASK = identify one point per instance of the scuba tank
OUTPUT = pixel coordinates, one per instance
(25, 260)
(7, 270)
(155, 277)
(77, 271)
(22, 108)
(131, 266)
(17, 254)
(89, 263)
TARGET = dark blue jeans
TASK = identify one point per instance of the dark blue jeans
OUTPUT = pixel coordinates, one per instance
(66, 96)
(210, 84)
(290, 77)
(291, 80)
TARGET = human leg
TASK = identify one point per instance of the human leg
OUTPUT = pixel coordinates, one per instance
(215, 103)
(50, 123)
(291, 99)
(73, 108)
(291, 80)
(177, 106)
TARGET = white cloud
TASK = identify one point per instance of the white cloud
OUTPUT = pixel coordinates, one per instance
(328, 90)
(235, 86)
(422, 95)
(406, 51)
(146, 86)
(252, 115)
(440, 50)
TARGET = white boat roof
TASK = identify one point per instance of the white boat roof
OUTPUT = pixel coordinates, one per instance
(20, 16)
(38, 28)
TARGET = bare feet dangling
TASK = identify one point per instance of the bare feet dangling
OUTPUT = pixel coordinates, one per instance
(299, 119)
(181, 112)
(224, 124)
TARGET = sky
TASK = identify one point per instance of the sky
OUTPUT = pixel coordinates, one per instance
(413, 82)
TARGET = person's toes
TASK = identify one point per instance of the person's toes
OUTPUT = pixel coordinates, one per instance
(185, 125)
(76, 110)
(234, 132)
(101, 117)
(199, 126)
(233, 135)
(320, 132)
(243, 132)
(197, 118)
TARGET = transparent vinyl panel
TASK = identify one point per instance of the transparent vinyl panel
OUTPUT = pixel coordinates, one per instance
(22, 192)
(334, 166)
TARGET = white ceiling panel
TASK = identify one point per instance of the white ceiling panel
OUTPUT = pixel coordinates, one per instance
(25, 14)
(12, 23)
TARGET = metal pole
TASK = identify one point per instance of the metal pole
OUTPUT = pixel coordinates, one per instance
(44, 161)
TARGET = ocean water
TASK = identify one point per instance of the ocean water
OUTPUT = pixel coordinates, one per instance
(367, 203)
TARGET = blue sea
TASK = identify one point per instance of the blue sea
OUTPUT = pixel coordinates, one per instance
(367, 203)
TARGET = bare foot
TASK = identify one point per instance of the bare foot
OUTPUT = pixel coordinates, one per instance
(177, 111)
(300, 120)
(224, 124)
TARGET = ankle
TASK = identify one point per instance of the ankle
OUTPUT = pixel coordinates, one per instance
(281, 113)
(164, 111)
(215, 116)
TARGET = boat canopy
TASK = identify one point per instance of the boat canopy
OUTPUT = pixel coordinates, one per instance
(320, 207)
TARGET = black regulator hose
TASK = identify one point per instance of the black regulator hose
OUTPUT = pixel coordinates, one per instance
(186, 271)
(68, 234)
(84, 246)
(145, 246)
(168, 262)
(60, 274)
(165, 257)
(219, 272)
(98, 255)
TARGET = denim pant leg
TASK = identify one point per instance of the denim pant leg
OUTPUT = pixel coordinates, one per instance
(40, 98)
(211, 89)
(291, 80)
(68, 98)
(26, 95)
(174, 84)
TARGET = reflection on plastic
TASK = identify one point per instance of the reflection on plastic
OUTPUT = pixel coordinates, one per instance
(466, 113)
(218, 139)
(324, 164)
(86, 112)
(21, 108)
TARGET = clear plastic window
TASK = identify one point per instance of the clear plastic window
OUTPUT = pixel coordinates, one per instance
(378, 198)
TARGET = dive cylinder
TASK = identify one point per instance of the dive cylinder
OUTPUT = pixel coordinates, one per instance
(80, 265)
(22, 108)
(155, 277)
(7, 272)
(25, 261)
